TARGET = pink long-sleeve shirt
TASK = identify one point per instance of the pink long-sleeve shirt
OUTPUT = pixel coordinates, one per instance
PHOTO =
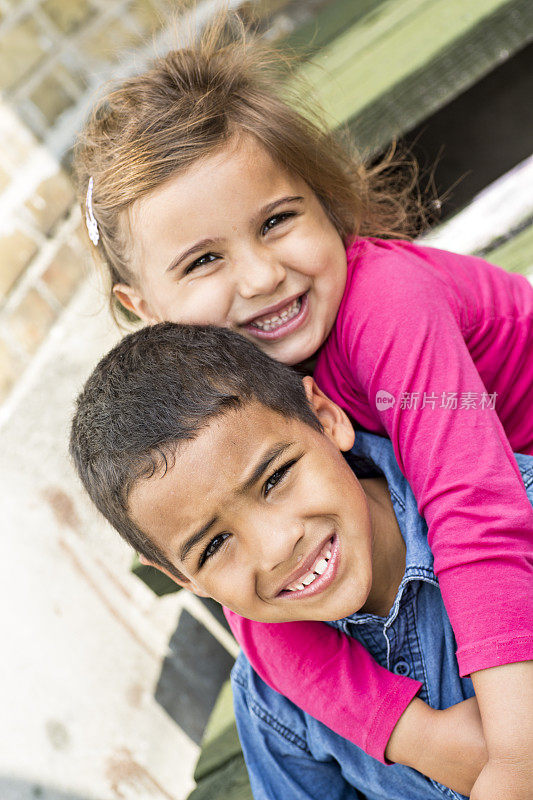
(435, 351)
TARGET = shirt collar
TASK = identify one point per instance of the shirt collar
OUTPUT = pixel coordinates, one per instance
(372, 455)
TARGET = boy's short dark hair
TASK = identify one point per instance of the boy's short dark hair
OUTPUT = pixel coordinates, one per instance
(159, 386)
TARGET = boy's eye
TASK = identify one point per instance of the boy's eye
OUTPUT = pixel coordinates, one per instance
(271, 222)
(207, 258)
(212, 547)
(277, 477)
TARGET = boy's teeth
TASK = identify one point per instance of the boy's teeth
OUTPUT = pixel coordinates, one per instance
(270, 323)
(319, 568)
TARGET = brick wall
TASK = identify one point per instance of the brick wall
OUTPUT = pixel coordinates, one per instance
(53, 55)
(53, 51)
(41, 255)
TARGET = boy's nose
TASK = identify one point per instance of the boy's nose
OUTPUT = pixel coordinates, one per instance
(259, 275)
(275, 543)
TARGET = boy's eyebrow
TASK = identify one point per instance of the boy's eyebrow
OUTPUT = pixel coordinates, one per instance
(271, 455)
(187, 546)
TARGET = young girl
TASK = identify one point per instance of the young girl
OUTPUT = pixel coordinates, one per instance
(211, 200)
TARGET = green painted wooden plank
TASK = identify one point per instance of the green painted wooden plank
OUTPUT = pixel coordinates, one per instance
(350, 46)
(330, 22)
(515, 255)
(399, 37)
(221, 713)
(220, 742)
(453, 71)
(230, 782)
(220, 773)
(219, 750)
(158, 582)
(410, 57)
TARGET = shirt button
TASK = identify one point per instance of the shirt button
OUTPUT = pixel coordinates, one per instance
(401, 668)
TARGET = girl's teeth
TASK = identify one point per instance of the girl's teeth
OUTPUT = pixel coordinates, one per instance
(278, 319)
(308, 579)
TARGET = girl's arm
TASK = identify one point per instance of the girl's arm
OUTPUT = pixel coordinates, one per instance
(401, 334)
(332, 677)
(304, 661)
(448, 746)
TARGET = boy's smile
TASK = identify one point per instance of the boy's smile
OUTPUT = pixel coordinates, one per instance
(264, 514)
(236, 241)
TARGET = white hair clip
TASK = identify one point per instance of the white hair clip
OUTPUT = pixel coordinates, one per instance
(90, 221)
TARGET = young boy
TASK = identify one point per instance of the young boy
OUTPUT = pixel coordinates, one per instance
(221, 468)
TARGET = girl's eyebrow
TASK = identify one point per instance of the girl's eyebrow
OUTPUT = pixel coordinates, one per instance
(201, 245)
(275, 203)
(205, 243)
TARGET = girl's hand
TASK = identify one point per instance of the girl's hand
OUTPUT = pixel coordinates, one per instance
(447, 746)
(504, 780)
(505, 697)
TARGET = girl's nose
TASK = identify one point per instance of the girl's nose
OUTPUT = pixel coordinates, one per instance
(258, 275)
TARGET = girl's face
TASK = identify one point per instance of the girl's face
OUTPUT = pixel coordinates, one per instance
(236, 241)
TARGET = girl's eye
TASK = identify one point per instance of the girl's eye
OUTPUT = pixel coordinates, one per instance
(207, 258)
(277, 477)
(277, 219)
(214, 545)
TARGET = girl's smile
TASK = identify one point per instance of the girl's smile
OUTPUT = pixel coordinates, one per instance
(279, 320)
(238, 242)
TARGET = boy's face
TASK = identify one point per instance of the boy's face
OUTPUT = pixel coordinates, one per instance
(237, 242)
(258, 505)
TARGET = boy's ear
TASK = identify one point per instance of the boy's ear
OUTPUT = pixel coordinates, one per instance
(335, 422)
(128, 297)
(184, 582)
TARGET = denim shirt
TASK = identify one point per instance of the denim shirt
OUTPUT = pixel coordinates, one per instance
(291, 755)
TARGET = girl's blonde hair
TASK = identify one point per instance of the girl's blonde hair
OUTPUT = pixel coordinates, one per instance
(191, 103)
